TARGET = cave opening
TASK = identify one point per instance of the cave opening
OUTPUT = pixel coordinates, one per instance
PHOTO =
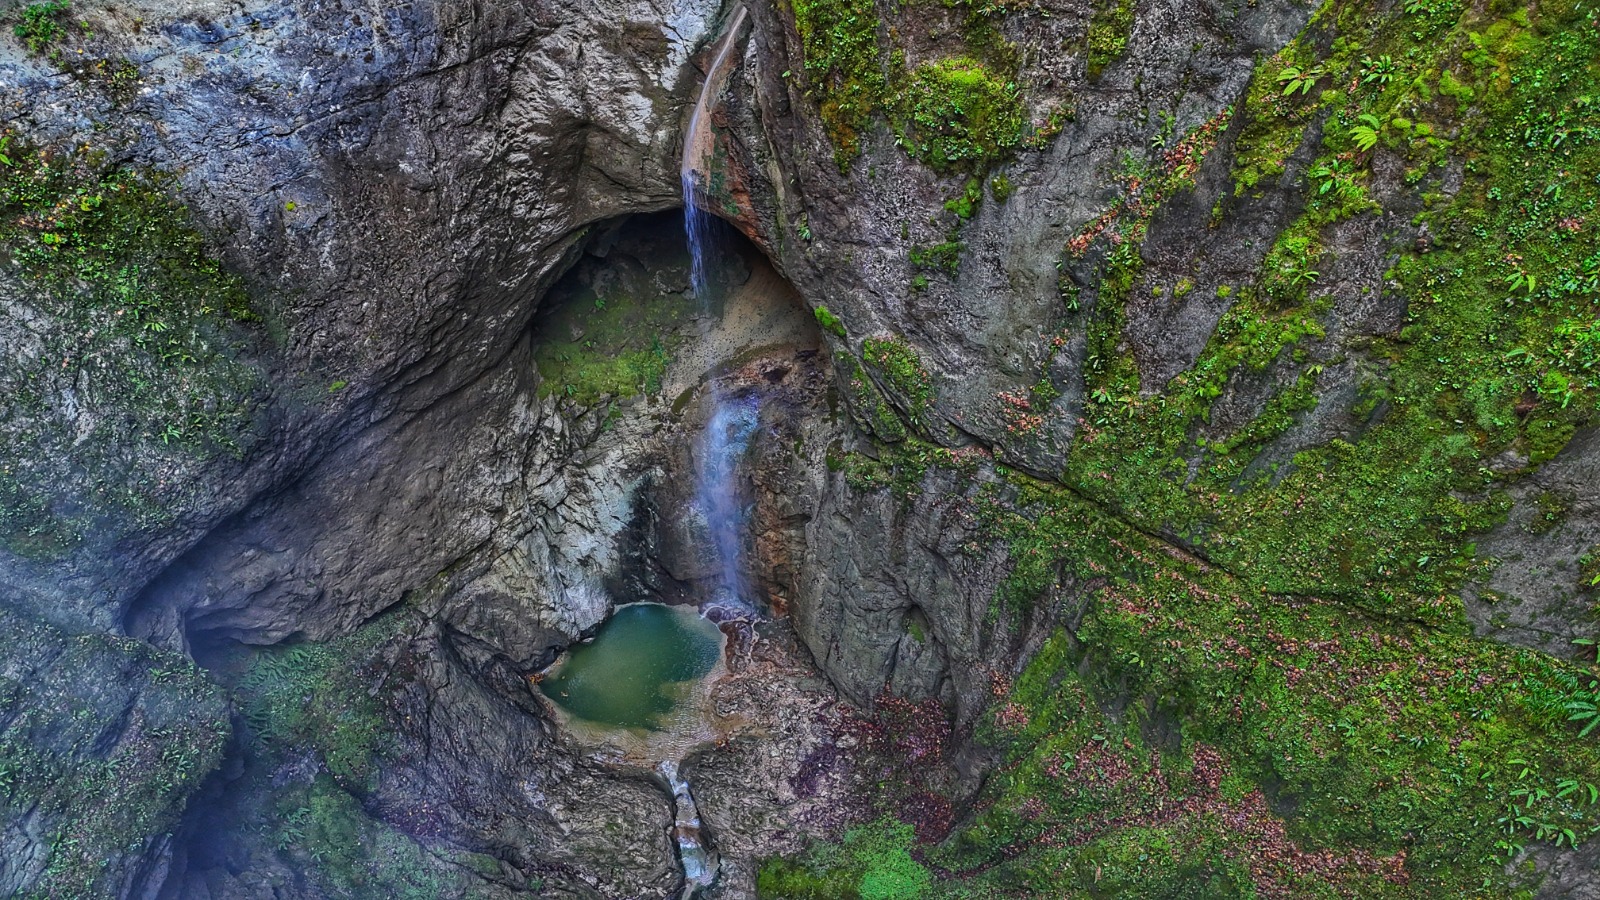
(626, 336)
(708, 366)
(558, 490)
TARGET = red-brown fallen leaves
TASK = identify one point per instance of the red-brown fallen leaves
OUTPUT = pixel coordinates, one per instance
(1257, 838)
(1097, 766)
(1012, 717)
(901, 751)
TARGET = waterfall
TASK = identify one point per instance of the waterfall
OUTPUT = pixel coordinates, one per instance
(732, 421)
(699, 147)
(699, 863)
(729, 427)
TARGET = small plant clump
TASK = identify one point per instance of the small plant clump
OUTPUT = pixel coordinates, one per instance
(868, 407)
(829, 322)
(967, 203)
(903, 369)
(1550, 508)
(40, 24)
(1108, 33)
(1001, 188)
(960, 115)
(944, 257)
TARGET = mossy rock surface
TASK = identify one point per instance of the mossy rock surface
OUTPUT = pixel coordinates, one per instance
(102, 744)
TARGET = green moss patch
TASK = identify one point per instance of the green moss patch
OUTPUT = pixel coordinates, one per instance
(870, 862)
(102, 742)
(132, 349)
(829, 322)
(617, 345)
(327, 833)
(844, 65)
(900, 366)
(959, 114)
(1107, 38)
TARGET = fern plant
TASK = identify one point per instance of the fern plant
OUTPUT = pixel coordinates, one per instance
(1294, 78)
(1364, 134)
(1379, 70)
(1584, 706)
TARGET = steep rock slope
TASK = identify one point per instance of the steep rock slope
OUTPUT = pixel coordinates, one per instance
(1243, 354)
(398, 188)
(1206, 373)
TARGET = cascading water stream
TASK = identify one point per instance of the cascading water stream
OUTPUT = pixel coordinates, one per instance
(699, 864)
(728, 429)
(731, 423)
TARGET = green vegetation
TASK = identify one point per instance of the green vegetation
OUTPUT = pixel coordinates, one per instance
(40, 24)
(829, 322)
(960, 115)
(619, 347)
(150, 334)
(96, 794)
(967, 204)
(868, 407)
(1272, 690)
(326, 831)
(945, 257)
(1108, 33)
(871, 862)
(1464, 379)
(1190, 723)
(900, 366)
(845, 68)
(336, 703)
(1551, 508)
(1374, 731)
(1000, 186)
(310, 696)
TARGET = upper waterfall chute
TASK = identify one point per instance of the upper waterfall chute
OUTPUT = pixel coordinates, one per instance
(699, 143)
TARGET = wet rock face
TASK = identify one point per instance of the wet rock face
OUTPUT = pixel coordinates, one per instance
(978, 331)
(872, 564)
(467, 794)
(399, 186)
(1542, 593)
(406, 187)
(102, 739)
